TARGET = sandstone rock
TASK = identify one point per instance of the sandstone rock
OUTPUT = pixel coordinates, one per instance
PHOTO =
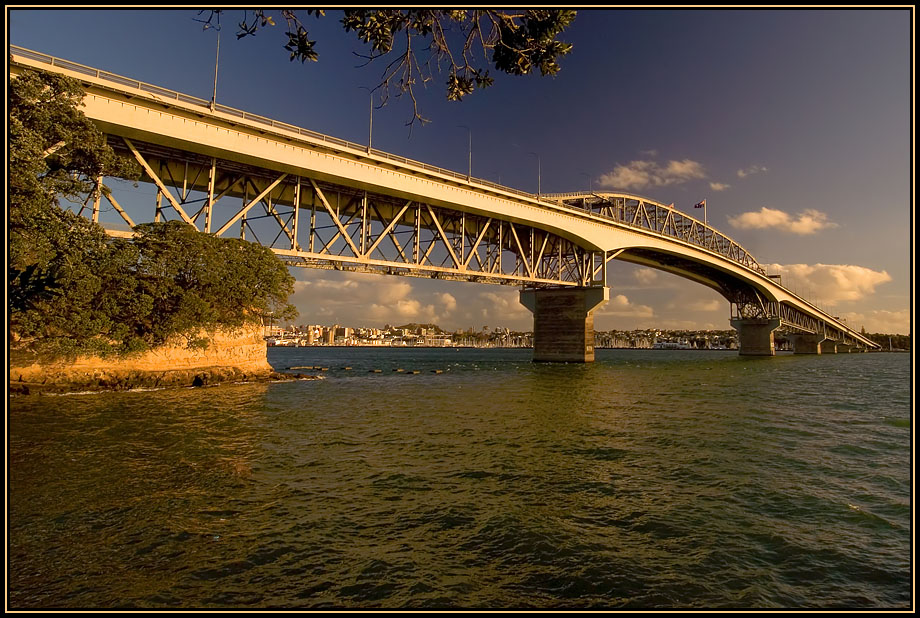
(229, 356)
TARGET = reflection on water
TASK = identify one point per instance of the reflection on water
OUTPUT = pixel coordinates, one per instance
(648, 479)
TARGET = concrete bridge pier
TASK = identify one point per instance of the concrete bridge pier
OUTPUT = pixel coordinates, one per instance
(755, 336)
(563, 322)
(844, 348)
(828, 346)
(807, 344)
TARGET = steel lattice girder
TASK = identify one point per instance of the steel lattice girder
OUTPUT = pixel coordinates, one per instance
(749, 303)
(323, 225)
(663, 220)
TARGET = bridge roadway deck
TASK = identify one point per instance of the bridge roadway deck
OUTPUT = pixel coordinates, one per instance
(130, 109)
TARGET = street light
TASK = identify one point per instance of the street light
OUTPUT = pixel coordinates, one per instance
(370, 131)
(469, 174)
(590, 181)
(216, 59)
(539, 174)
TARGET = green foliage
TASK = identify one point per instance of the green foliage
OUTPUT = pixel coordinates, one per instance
(120, 296)
(73, 290)
(896, 342)
(415, 327)
(519, 41)
(200, 280)
(54, 151)
(531, 42)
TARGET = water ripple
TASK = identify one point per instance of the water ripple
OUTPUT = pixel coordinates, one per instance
(647, 480)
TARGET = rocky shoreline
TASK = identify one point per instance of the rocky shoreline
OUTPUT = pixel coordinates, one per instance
(231, 357)
(150, 381)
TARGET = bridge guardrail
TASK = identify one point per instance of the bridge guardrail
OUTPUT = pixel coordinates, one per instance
(172, 94)
(731, 250)
(178, 96)
(192, 100)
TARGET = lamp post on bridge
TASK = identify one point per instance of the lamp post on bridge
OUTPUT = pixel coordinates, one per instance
(370, 130)
(469, 173)
(539, 174)
(216, 60)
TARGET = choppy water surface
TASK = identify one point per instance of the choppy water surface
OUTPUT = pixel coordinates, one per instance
(648, 479)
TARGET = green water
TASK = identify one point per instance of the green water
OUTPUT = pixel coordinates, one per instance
(657, 479)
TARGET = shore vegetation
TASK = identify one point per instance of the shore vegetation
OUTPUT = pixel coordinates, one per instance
(74, 290)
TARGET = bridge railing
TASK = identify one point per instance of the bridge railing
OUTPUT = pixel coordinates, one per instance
(714, 240)
(724, 245)
(178, 96)
(326, 139)
(666, 221)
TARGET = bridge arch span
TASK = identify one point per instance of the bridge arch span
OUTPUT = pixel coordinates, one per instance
(336, 204)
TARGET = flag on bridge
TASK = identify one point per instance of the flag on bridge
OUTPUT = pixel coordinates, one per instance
(702, 205)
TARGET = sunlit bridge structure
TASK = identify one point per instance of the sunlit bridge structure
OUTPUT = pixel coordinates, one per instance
(322, 202)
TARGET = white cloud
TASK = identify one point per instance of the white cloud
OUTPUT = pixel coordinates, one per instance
(326, 284)
(358, 299)
(361, 299)
(405, 310)
(753, 169)
(718, 186)
(646, 276)
(707, 305)
(807, 222)
(449, 302)
(503, 303)
(661, 300)
(619, 305)
(642, 174)
(684, 170)
(881, 321)
(357, 287)
(829, 284)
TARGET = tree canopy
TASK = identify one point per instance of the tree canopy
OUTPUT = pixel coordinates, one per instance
(72, 289)
(54, 152)
(419, 42)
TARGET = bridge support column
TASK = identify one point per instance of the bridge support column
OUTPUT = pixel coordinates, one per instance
(755, 336)
(844, 348)
(563, 322)
(807, 344)
(828, 346)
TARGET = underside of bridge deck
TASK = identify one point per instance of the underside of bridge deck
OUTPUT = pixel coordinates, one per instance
(317, 223)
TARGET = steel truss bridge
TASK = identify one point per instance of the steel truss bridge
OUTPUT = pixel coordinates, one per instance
(322, 202)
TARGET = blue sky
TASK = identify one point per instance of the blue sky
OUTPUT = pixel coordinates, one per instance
(795, 125)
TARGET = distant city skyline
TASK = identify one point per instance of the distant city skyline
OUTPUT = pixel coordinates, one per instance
(794, 125)
(305, 335)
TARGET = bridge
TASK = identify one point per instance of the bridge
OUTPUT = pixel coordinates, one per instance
(322, 202)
